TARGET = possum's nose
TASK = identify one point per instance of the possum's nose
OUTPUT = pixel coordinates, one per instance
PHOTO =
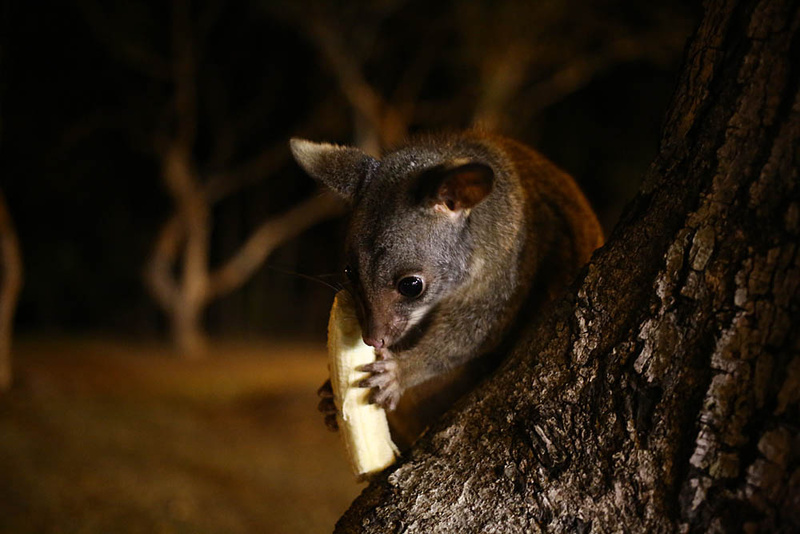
(375, 342)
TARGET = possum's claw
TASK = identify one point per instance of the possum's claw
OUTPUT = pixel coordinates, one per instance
(384, 379)
(327, 406)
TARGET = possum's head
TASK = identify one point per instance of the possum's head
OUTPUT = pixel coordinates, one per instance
(408, 243)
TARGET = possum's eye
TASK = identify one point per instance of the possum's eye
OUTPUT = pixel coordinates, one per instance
(411, 286)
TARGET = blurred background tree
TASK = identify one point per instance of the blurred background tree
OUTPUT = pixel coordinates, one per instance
(10, 286)
(151, 137)
(178, 273)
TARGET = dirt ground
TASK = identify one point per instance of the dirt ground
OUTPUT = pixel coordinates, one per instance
(102, 436)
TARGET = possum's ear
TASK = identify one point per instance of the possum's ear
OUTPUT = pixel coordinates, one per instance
(459, 187)
(343, 169)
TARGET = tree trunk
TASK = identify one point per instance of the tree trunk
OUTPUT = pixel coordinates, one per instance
(662, 394)
(10, 286)
(188, 334)
(191, 295)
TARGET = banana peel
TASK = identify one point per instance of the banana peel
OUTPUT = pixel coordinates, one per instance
(362, 425)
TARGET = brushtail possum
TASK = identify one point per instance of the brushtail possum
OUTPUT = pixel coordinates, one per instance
(451, 238)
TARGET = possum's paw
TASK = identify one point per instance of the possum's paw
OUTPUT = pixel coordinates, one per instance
(327, 405)
(384, 379)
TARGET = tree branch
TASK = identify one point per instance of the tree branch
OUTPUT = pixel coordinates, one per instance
(159, 268)
(363, 98)
(126, 47)
(184, 75)
(501, 80)
(221, 184)
(267, 237)
(11, 264)
(577, 73)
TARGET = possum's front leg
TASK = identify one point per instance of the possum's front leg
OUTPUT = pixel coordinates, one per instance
(436, 354)
(392, 374)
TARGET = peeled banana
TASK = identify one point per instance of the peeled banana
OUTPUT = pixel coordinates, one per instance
(362, 425)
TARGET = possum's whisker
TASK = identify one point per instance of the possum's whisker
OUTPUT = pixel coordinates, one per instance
(335, 286)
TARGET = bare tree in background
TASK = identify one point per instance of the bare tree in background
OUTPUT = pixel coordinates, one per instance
(178, 272)
(345, 37)
(185, 298)
(10, 286)
(524, 56)
(530, 55)
(663, 393)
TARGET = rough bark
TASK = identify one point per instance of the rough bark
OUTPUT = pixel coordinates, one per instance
(662, 394)
(10, 286)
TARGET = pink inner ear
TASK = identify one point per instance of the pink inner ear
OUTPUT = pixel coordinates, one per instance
(466, 186)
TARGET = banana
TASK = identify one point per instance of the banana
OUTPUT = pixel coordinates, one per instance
(363, 425)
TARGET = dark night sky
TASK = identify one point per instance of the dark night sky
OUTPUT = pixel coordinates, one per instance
(85, 192)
